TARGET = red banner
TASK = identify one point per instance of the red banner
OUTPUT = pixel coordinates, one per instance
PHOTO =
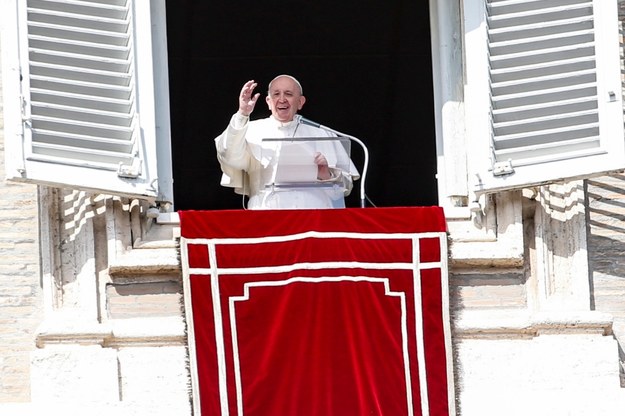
(318, 312)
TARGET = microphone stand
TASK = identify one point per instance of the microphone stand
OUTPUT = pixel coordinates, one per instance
(303, 120)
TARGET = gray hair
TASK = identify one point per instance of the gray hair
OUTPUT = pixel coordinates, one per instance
(292, 78)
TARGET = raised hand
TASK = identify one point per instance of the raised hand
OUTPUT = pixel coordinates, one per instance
(247, 98)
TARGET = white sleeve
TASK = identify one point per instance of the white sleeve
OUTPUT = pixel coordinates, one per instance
(231, 146)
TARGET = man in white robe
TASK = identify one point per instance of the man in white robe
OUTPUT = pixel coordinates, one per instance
(250, 163)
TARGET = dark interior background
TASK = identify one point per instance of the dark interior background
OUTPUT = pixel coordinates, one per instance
(365, 68)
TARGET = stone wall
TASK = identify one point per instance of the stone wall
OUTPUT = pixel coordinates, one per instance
(20, 289)
(530, 340)
(606, 248)
(115, 334)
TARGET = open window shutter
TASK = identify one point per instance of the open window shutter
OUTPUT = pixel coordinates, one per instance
(82, 126)
(556, 110)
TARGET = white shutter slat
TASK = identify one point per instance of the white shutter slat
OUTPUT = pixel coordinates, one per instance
(560, 119)
(78, 34)
(77, 47)
(537, 29)
(555, 136)
(542, 82)
(58, 72)
(104, 8)
(89, 157)
(100, 131)
(524, 71)
(88, 142)
(87, 16)
(95, 64)
(523, 112)
(505, 14)
(541, 98)
(87, 90)
(81, 101)
(551, 43)
(532, 154)
(87, 115)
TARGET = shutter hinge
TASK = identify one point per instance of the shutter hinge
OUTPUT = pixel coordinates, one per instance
(25, 118)
(503, 168)
(132, 171)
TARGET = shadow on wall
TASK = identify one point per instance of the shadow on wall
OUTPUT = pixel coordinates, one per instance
(606, 225)
(606, 245)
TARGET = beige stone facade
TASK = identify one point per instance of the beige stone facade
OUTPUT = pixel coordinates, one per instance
(91, 314)
(606, 225)
(20, 290)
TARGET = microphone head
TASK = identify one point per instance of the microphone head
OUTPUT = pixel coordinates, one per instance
(303, 120)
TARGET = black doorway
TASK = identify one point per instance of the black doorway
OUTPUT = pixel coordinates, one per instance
(365, 68)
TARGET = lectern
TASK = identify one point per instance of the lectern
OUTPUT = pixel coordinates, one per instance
(289, 166)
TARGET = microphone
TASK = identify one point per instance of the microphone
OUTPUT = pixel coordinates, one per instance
(303, 120)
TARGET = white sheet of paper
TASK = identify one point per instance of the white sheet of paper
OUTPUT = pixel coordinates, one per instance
(296, 164)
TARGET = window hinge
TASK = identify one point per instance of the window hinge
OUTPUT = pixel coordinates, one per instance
(503, 168)
(132, 171)
(26, 119)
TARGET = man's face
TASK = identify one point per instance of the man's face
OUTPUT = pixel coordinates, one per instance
(285, 99)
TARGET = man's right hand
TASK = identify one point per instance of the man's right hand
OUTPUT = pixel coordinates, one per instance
(247, 98)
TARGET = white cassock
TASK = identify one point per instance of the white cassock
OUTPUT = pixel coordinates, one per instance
(248, 163)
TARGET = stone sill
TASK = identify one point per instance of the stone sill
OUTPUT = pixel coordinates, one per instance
(133, 332)
(522, 324)
(146, 262)
(152, 408)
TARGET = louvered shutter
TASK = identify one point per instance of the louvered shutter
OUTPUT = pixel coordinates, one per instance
(87, 121)
(554, 92)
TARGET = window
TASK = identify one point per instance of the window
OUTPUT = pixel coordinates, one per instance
(80, 82)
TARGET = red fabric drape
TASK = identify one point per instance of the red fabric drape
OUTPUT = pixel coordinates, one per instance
(318, 312)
